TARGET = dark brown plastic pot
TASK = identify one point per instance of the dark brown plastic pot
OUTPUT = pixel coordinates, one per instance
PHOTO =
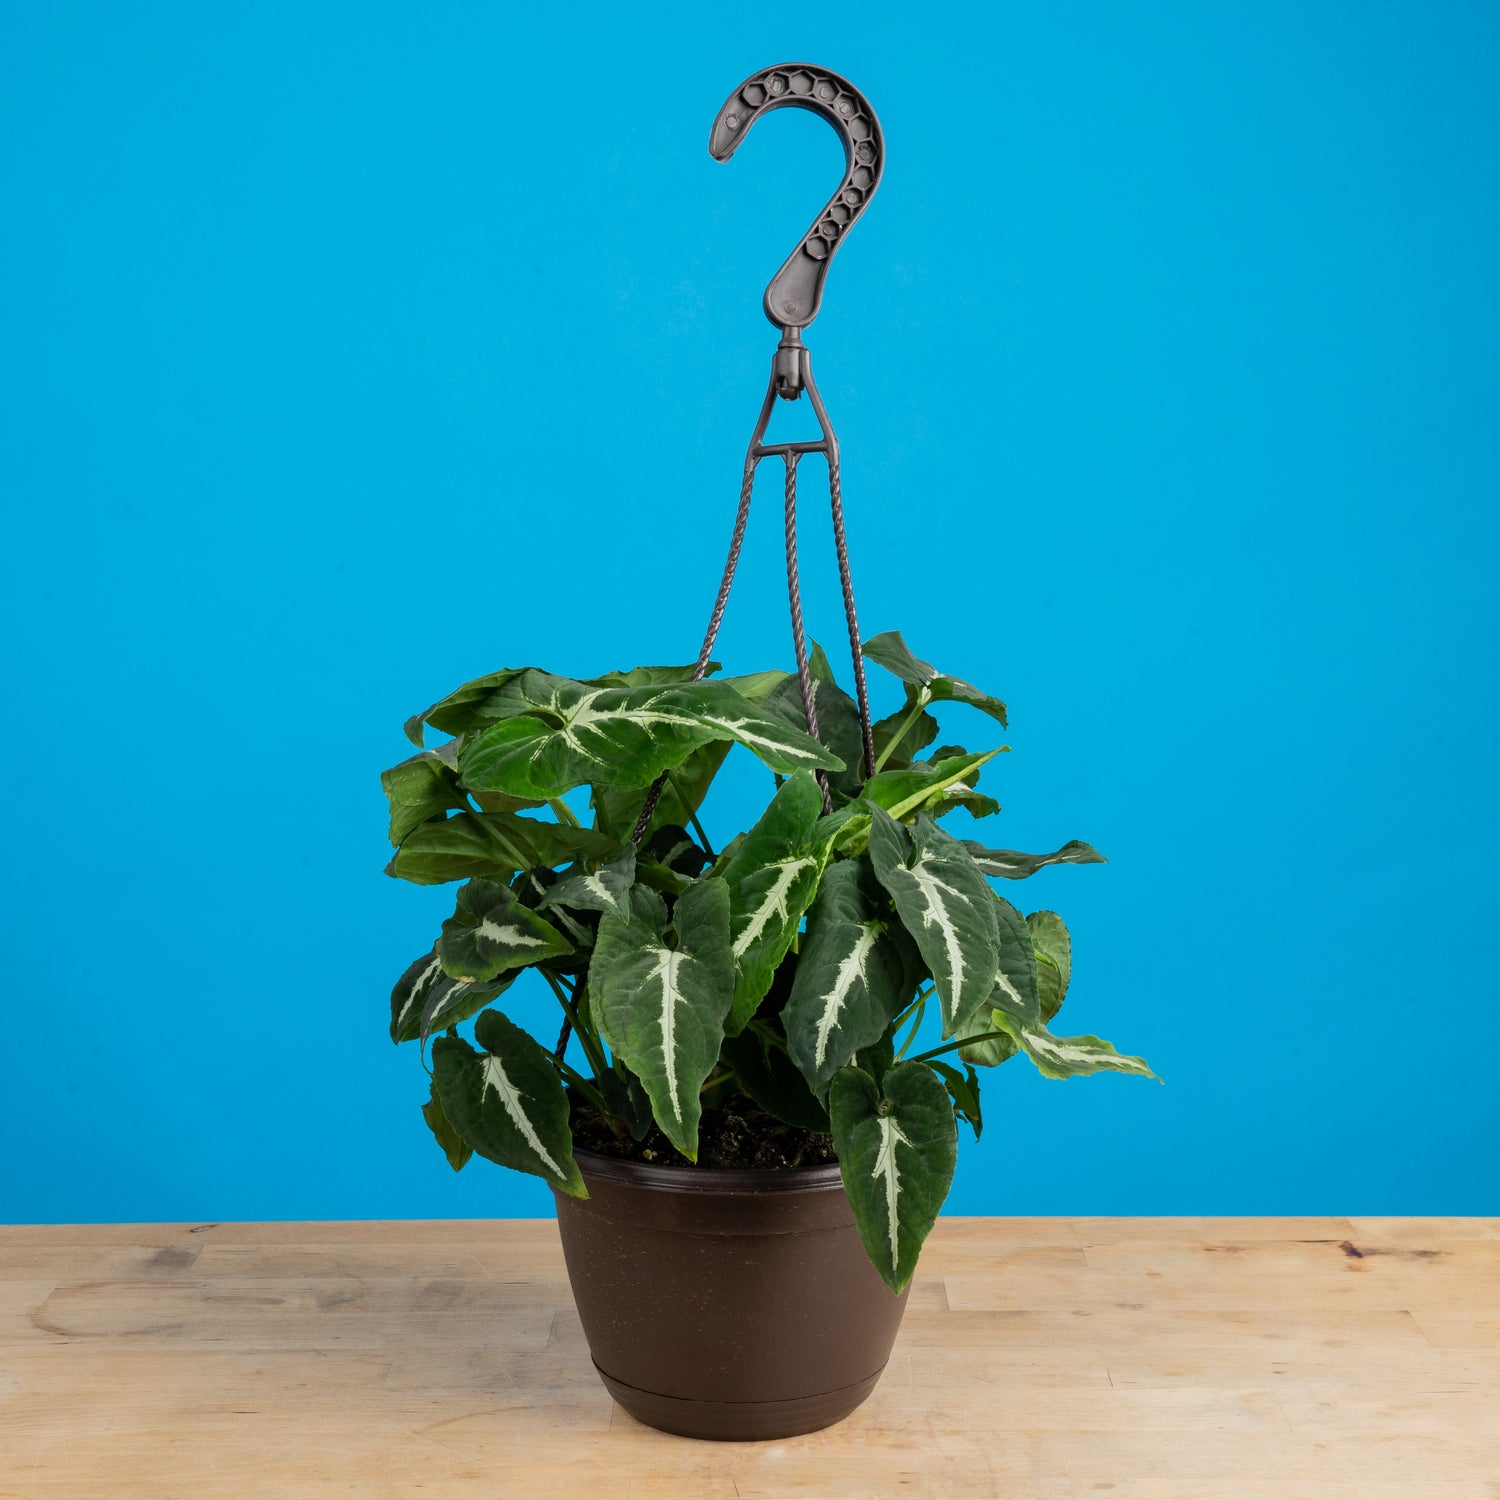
(726, 1304)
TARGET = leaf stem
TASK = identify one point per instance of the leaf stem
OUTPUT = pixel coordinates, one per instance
(963, 1041)
(585, 1088)
(586, 1039)
(563, 811)
(925, 995)
(916, 1026)
(900, 733)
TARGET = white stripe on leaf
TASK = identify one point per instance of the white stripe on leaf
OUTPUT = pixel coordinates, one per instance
(511, 1100)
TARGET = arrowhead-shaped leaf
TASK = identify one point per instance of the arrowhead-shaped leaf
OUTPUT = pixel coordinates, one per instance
(566, 733)
(933, 786)
(463, 708)
(963, 1090)
(507, 1102)
(931, 686)
(491, 844)
(455, 1148)
(948, 908)
(853, 975)
(897, 1143)
(1015, 982)
(605, 889)
(838, 721)
(1067, 1056)
(1054, 961)
(1011, 864)
(662, 1008)
(771, 879)
(766, 1072)
(426, 786)
(618, 809)
(426, 999)
(490, 931)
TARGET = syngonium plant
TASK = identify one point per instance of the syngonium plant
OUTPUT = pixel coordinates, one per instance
(782, 967)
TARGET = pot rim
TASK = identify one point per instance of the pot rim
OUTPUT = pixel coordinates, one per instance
(724, 1181)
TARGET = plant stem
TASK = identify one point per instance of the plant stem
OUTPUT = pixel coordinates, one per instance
(900, 734)
(963, 1041)
(563, 811)
(916, 1025)
(900, 1020)
(587, 1090)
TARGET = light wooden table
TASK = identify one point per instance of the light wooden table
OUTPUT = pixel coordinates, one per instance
(1119, 1359)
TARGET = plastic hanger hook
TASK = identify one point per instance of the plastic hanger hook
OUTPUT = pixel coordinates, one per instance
(796, 291)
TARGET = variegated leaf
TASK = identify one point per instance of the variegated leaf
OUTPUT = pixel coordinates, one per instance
(1015, 982)
(1011, 864)
(604, 889)
(507, 1102)
(897, 1144)
(490, 931)
(930, 685)
(771, 879)
(455, 1147)
(1054, 961)
(946, 905)
(566, 733)
(491, 844)
(425, 999)
(661, 1007)
(853, 975)
(1067, 1056)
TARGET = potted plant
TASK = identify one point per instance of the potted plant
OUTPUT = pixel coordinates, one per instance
(746, 1150)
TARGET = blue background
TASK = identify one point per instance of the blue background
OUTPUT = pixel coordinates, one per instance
(351, 352)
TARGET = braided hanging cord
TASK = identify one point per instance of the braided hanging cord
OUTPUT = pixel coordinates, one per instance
(799, 634)
(791, 453)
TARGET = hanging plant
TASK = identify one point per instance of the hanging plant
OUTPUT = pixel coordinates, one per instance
(785, 974)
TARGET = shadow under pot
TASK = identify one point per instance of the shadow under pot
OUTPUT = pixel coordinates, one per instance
(727, 1304)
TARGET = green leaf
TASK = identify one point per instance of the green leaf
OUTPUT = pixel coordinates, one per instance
(932, 686)
(756, 686)
(463, 708)
(948, 908)
(662, 1008)
(897, 1144)
(838, 724)
(423, 787)
(1016, 983)
(605, 889)
(916, 730)
(1067, 1056)
(963, 1090)
(627, 1098)
(490, 931)
(934, 787)
(772, 879)
(506, 1101)
(566, 733)
(426, 999)
(1011, 864)
(618, 809)
(491, 844)
(1054, 960)
(650, 676)
(455, 1148)
(852, 974)
(765, 1071)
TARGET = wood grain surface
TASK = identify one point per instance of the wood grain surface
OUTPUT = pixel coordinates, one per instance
(1117, 1359)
